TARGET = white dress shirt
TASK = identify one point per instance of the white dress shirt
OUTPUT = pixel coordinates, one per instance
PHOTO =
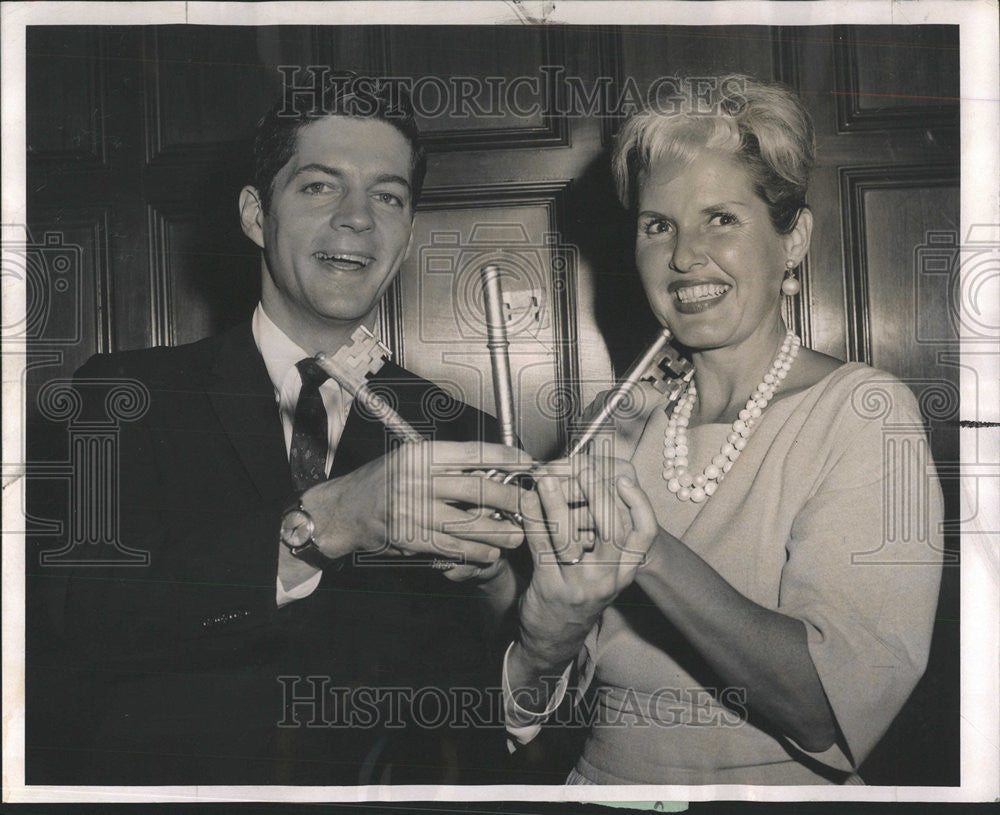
(280, 355)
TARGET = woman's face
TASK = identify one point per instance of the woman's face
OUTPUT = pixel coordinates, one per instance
(709, 258)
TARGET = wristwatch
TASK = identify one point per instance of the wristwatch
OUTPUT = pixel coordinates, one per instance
(297, 528)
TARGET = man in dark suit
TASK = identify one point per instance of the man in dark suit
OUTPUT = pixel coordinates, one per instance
(277, 609)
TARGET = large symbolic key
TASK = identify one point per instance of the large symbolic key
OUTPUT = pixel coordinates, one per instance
(353, 365)
(496, 329)
(660, 365)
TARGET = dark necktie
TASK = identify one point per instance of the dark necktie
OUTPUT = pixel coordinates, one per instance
(309, 428)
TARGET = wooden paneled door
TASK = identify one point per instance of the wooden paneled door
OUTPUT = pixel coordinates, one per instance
(139, 141)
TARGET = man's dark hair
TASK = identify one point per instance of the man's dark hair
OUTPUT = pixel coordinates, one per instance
(342, 93)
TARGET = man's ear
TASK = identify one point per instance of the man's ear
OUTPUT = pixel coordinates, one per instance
(797, 241)
(252, 215)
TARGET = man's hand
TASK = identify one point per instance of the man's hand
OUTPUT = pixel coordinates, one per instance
(431, 498)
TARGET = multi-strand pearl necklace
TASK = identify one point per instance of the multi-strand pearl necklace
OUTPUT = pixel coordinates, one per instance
(698, 488)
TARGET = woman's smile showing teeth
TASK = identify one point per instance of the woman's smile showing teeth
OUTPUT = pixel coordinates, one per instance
(698, 297)
(344, 261)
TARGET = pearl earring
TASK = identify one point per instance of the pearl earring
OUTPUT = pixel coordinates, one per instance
(790, 286)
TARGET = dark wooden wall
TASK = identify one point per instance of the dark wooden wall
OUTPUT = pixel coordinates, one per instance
(138, 145)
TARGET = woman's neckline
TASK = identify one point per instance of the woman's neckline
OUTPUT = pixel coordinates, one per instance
(779, 398)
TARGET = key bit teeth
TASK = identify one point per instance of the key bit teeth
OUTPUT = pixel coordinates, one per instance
(362, 356)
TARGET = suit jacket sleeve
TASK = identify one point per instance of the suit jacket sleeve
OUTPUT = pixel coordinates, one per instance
(212, 558)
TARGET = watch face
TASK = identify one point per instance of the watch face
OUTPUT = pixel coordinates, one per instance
(296, 528)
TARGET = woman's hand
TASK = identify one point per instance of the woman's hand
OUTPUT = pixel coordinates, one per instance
(586, 550)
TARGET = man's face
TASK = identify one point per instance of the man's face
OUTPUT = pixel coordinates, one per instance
(337, 229)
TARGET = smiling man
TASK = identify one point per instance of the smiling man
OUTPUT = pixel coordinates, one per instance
(334, 225)
(272, 638)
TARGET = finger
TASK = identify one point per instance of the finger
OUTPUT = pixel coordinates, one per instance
(481, 455)
(567, 546)
(564, 471)
(600, 496)
(478, 490)
(536, 530)
(580, 518)
(640, 509)
(582, 522)
(641, 513)
(575, 496)
(464, 572)
(448, 547)
(624, 518)
(417, 530)
(624, 469)
(477, 524)
(444, 550)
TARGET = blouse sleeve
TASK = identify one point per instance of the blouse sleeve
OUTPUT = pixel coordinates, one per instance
(864, 563)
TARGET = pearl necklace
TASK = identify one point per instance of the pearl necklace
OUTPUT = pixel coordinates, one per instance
(699, 488)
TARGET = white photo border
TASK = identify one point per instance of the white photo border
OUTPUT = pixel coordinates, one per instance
(980, 180)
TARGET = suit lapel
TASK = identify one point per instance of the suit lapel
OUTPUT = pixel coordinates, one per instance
(243, 398)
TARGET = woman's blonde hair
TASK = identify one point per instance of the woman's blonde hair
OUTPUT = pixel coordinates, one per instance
(761, 124)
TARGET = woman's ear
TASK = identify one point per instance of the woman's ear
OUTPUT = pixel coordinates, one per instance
(252, 215)
(797, 241)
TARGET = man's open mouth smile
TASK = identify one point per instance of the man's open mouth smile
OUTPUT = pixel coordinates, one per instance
(344, 261)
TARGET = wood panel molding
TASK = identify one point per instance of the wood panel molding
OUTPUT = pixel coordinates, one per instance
(553, 132)
(61, 271)
(785, 55)
(203, 273)
(95, 153)
(157, 150)
(852, 118)
(610, 64)
(552, 196)
(855, 182)
(151, 108)
(160, 282)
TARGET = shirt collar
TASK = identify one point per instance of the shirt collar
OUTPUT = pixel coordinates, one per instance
(279, 352)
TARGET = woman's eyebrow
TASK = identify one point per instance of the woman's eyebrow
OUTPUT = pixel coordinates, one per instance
(722, 205)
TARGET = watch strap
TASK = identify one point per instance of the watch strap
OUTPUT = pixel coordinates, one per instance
(309, 552)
